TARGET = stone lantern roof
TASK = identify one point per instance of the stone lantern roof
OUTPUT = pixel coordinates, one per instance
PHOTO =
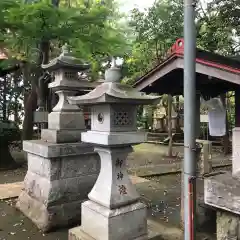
(112, 91)
(66, 60)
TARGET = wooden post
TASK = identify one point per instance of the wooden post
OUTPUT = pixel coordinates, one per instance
(170, 144)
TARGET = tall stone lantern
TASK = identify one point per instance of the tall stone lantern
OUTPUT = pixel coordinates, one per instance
(113, 211)
(61, 169)
(65, 121)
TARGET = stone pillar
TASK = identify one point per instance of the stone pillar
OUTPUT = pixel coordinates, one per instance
(204, 164)
(114, 205)
(236, 151)
(113, 211)
(228, 226)
(61, 169)
(222, 191)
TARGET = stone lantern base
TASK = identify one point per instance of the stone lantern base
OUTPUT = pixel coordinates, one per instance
(101, 223)
(58, 180)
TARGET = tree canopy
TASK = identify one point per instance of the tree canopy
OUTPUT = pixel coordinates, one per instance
(157, 28)
(33, 31)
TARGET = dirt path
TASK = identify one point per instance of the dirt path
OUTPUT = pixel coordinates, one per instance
(15, 226)
(161, 194)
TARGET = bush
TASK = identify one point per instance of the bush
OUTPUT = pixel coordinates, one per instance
(9, 132)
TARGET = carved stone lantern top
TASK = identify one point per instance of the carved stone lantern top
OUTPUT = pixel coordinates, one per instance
(66, 60)
(112, 91)
(113, 111)
(65, 70)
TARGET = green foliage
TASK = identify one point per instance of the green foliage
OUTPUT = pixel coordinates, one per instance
(156, 30)
(9, 132)
(162, 24)
(218, 26)
(91, 29)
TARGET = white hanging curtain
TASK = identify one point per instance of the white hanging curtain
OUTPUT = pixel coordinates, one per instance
(216, 117)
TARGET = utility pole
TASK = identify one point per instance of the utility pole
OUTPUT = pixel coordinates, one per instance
(189, 121)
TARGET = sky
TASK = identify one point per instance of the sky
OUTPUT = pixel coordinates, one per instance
(127, 5)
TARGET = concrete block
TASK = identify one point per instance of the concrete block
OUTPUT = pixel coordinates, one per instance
(126, 223)
(61, 136)
(223, 191)
(114, 138)
(58, 191)
(48, 218)
(44, 167)
(83, 165)
(66, 120)
(55, 150)
(236, 151)
(40, 117)
(228, 226)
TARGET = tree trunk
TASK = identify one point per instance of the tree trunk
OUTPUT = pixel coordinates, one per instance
(170, 144)
(178, 128)
(30, 107)
(16, 96)
(6, 160)
(4, 99)
(32, 100)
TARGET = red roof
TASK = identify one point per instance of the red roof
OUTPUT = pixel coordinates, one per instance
(161, 78)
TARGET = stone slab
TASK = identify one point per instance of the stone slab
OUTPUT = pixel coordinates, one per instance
(129, 222)
(156, 231)
(114, 138)
(49, 218)
(223, 191)
(78, 234)
(55, 150)
(61, 136)
(66, 120)
(10, 190)
(236, 150)
(136, 179)
(58, 191)
(228, 226)
(77, 85)
(64, 167)
(40, 117)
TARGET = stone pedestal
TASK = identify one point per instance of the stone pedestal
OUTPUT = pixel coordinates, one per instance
(223, 193)
(204, 164)
(58, 180)
(228, 226)
(61, 169)
(235, 151)
(64, 127)
(113, 211)
(102, 223)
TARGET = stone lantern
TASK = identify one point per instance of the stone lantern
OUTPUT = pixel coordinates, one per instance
(113, 211)
(65, 122)
(61, 169)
